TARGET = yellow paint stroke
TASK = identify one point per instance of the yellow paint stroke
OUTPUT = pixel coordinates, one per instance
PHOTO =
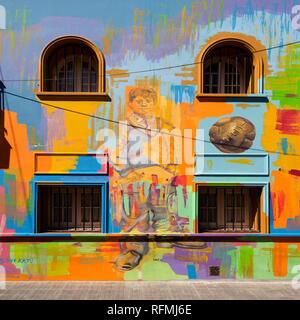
(20, 165)
(117, 75)
(202, 259)
(56, 163)
(209, 164)
(77, 127)
(245, 105)
(242, 161)
(106, 46)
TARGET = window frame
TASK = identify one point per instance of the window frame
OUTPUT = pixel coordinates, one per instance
(105, 222)
(79, 216)
(99, 95)
(256, 80)
(264, 206)
(220, 206)
(222, 74)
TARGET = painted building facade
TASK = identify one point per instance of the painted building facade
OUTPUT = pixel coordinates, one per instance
(149, 140)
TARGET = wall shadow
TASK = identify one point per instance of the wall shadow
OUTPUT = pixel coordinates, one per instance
(5, 147)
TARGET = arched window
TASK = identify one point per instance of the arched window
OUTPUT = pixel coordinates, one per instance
(228, 68)
(72, 65)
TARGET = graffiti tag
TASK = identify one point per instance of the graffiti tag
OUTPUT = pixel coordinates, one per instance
(20, 260)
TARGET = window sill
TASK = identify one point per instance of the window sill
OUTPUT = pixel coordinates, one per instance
(73, 96)
(232, 97)
(146, 237)
(143, 237)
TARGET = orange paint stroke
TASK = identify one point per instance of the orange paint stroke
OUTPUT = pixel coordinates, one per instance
(285, 194)
(280, 259)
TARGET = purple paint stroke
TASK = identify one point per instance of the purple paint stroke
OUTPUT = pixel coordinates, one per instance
(52, 128)
(122, 41)
(181, 257)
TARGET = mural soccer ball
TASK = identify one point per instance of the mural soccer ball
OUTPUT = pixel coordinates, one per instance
(232, 135)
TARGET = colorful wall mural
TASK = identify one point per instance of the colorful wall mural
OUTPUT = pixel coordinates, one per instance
(168, 142)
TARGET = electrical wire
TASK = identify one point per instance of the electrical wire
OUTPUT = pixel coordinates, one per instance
(157, 69)
(140, 128)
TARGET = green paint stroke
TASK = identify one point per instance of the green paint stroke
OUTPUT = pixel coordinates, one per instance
(24, 23)
(187, 210)
(183, 19)
(221, 12)
(154, 269)
(285, 84)
(245, 266)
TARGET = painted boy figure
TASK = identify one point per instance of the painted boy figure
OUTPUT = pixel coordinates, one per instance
(143, 134)
(156, 212)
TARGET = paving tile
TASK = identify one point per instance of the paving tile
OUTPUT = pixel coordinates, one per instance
(158, 290)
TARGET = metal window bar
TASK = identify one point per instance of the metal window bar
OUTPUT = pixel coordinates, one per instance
(225, 209)
(76, 209)
(236, 71)
(92, 213)
(243, 209)
(245, 80)
(234, 204)
(216, 212)
(206, 195)
(59, 207)
(65, 70)
(67, 201)
(89, 74)
(228, 74)
(51, 207)
(96, 73)
(73, 68)
(56, 71)
(252, 74)
(210, 75)
(219, 72)
(82, 75)
(84, 199)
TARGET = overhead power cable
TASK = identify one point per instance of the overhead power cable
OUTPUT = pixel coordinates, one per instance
(157, 69)
(140, 128)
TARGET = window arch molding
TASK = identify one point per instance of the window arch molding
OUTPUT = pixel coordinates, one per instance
(65, 41)
(255, 50)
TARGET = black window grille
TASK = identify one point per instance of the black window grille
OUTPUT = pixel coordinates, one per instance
(69, 208)
(228, 69)
(229, 209)
(71, 68)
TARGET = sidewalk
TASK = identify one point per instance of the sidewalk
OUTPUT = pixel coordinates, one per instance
(160, 290)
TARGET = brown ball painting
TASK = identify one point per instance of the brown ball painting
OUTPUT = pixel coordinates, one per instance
(232, 135)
